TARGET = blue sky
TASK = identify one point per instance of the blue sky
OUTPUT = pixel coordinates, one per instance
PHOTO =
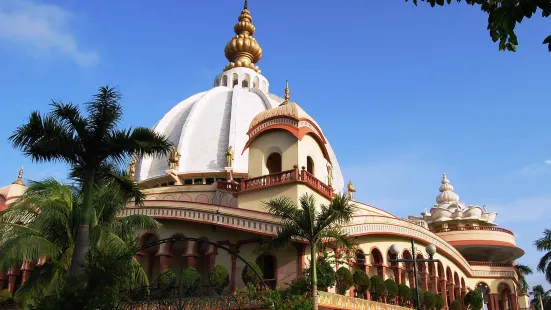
(403, 93)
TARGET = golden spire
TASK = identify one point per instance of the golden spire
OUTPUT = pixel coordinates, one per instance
(287, 93)
(19, 180)
(243, 50)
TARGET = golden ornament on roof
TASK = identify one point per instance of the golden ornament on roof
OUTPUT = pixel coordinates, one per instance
(243, 50)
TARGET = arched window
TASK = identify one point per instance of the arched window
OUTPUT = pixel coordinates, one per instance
(235, 80)
(245, 84)
(360, 258)
(376, 260)
(310, 165)
(2, 200)
(268, 265)
(203, 257)
(217, 82)
(485, 291)
(177, 250)
(504, 296)
(149, 259)
(273, 163)
(225, 80)
(256, 82)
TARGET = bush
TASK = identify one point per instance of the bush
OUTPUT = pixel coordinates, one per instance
(474, 300)
(299, 286)
(344, 280)
(190, 281)
(439, 302)
(429, 300)
(6, 298)
(219, 278)
(361, 282)
(378, 288)
(391, 289)
(404, 294)
(249, 277)
(456, 305)
(414, 295)
(325, 272)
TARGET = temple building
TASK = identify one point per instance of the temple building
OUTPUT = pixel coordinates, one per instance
(238, 144)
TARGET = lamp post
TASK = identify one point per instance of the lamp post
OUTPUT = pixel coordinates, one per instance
(395, 249)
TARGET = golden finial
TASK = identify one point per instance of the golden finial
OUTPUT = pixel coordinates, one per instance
(287, 93)
(19, 180)
(243, 50)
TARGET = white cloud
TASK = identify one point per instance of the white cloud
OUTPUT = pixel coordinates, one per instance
(44, 28)
(524, 209)
(548, 162)
(534, 168)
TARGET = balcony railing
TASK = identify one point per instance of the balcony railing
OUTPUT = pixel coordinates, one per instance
(490, 264)
(467, 228)
(276, 179)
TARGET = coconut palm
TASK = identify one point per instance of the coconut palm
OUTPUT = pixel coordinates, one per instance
(87, 143)
(539, 293)
(522, 271)
(42, 225)
(307, 222)
(544, 244)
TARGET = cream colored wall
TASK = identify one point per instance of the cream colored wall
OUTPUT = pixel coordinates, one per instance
(286, 260)
(252, 200)
(477, 235)
(309, 147)
(279, 141)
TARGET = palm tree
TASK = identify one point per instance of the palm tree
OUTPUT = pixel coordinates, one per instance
(522, 271)
(309, 223)
(88, 143)
(43, 223)
(544, 244)
(540, 297)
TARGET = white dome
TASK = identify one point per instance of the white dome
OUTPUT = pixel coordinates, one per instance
(203, 126)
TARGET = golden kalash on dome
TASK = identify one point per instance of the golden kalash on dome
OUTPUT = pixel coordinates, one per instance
(237, 145)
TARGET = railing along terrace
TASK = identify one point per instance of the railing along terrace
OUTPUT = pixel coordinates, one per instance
(490, 264)
(467, 228)
(279, 178)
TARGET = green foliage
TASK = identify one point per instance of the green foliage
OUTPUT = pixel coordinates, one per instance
(361, 282)
(544, 244)
(456, 305)
(272, 299)
(429, 300)
(378, 288)
(404, 294)
(6, 299)
(101, 286)
(391, 289)
(249, 276)
(522, 271)
(344, 280)
(299, 286)
(438, 302)
(219, 278)
(539, 292)
(421, 296)
(189, 281)
(326, 275)
(503, 16)
(474, 300)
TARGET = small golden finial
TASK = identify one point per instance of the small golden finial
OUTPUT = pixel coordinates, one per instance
(19, 180)
(287, 94)
(243, 50)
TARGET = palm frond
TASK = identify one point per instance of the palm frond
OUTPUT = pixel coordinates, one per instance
(339, 211)
(282, 240)
(104, 112)
(137, 141)
(544, 243)
(337, 237)
(282, 208)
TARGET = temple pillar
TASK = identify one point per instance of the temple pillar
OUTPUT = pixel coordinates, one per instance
(494, 302)
(381, 271)
(424, 282)
(397, 274)
(12, 278)
(3, 279)
(163, 261)
(451, 291)
(26, 272)
(300, 259)
(191, 256)
(235, 249)
(514, 301)
(444, 292)
(434, 284)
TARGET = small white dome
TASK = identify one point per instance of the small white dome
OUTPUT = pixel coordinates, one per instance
(447, 195)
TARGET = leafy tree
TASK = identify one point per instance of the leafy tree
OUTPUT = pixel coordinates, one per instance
(404, 294)
(362, 282)
(503, 16)
(391, 289)
(105, 276)
(473, 300)
(456, 305)
(439, 302)
(43, 223)
(189, 281)
(522, 271)
(544, 244)
(429, 300)
(316, 225)
(219, 278)
(344, 280)
(249, 276)
(326, 275)
(378, 288)
(89, 144)
(539, 292)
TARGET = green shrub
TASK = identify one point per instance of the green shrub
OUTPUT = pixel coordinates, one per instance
(5, 298)
(219, 278)
(456, 305)
(190, 281)
(378, 288)
(404, 294)
(299, 286)
(429, 300)
(325, 272)
(249, 276)
(439, 302)
(391, 289)
(474, 300)
(344, 280)
(414, 297)
(166, 280)
(361, 282)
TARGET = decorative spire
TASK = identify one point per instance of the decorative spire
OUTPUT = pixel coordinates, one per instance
(287, 94)
(19, 180)
(243, 50)
(447, 195)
